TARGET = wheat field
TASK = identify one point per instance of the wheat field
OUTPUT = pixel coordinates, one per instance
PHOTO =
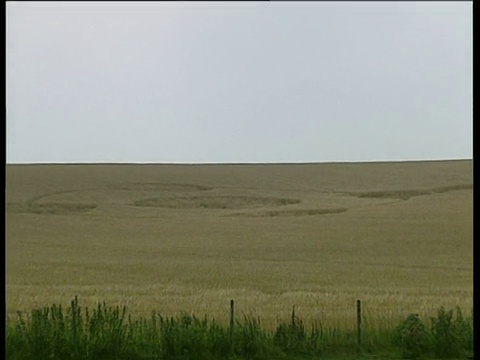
(173, 238)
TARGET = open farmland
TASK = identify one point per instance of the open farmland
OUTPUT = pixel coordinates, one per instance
(172, 238)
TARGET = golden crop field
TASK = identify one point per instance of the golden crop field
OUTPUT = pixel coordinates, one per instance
(173, 238)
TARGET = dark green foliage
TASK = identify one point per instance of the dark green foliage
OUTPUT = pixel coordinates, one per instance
(292, 337)
(452, 337)
(413, 337)
(443, 333)
(464, 331)
(250, 340)
(106, 333)
(187, 337)
(448, 338)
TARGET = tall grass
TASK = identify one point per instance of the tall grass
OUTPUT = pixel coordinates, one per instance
(107, 333)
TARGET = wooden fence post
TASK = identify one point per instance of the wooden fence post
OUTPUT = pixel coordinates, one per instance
(232, 322)
(293, 317)
(359, 324)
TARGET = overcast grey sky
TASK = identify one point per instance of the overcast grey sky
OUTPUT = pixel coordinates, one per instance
(238, 81)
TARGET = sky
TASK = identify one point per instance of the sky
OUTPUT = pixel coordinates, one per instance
(238, 82)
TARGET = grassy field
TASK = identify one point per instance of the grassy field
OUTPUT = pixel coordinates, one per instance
(173, 238)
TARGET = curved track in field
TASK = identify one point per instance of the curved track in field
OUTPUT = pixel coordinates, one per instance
(186, 196)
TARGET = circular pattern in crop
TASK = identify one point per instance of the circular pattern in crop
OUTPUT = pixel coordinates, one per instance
(58, 208)
(215, 202)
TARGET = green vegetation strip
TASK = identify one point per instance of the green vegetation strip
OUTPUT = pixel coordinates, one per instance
(107, 333)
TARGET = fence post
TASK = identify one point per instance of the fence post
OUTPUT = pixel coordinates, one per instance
(293, 317)
(232, 322)
(359, 324)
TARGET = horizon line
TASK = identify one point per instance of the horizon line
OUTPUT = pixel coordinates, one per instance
(240, 163)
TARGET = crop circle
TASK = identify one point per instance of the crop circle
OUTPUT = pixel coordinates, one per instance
(215, 202)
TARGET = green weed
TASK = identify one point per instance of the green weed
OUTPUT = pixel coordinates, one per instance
(107, 333)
